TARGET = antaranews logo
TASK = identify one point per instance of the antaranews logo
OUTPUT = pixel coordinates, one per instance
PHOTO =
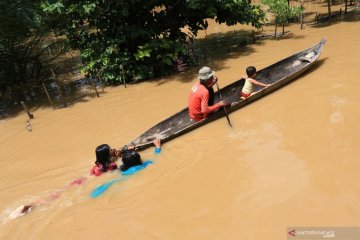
(292, 233)
(322, 233)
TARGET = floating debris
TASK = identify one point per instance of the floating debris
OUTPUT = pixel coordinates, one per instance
(28, 125)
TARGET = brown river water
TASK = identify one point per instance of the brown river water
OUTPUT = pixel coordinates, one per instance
(291, 159)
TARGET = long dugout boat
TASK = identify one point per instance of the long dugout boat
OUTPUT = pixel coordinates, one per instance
(277, 74)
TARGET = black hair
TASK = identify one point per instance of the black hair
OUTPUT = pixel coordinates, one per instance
(130, 158)
(103, 156)
(250, 71)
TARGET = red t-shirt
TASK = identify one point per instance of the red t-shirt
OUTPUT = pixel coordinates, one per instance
(198, 103)
(96, 170)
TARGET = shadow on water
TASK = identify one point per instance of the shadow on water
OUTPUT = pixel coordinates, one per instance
(61, 95)
(289, 36)
(352, 15)
(216, 61)
(214, 50)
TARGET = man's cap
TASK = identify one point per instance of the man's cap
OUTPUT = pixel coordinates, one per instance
(205, 73)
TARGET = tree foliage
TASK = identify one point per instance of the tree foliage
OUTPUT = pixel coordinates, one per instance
(127, 40)
(23, 48)
(282, 11)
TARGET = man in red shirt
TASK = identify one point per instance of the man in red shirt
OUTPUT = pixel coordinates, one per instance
(201, 97)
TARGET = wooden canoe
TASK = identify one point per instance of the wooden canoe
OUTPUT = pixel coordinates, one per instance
(277, 74)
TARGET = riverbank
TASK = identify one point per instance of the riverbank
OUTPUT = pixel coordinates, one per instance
(290, 160)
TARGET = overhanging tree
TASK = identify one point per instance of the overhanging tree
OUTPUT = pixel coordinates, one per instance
(139, 39)
(24, 49)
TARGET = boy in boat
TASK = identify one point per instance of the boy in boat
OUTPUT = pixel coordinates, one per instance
(250, 83)
(201, 97)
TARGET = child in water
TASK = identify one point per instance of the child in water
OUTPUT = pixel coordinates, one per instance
(250, 83)
(24, 209)
(132, 160)
(105, 156)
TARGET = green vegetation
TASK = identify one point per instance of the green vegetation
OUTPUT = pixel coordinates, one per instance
(124, 41)
(25, 46)
(282, 12)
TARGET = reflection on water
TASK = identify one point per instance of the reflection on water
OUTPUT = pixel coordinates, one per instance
(290, 160)
(337, 102)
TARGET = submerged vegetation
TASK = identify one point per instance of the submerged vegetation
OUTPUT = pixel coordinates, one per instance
(125, 41)
(119, 41)
(282, 12)
(26, 45)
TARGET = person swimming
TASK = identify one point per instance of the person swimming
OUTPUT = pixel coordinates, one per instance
(132, 160)
(132, 163)
(104, 154)
(24, 209)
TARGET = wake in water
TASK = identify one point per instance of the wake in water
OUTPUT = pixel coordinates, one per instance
(24, 209)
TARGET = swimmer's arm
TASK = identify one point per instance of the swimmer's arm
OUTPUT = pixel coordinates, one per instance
(157, 144)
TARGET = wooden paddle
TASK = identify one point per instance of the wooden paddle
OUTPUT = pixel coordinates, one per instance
(226, 113)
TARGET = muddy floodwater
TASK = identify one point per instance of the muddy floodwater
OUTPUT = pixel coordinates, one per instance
(291, 159)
